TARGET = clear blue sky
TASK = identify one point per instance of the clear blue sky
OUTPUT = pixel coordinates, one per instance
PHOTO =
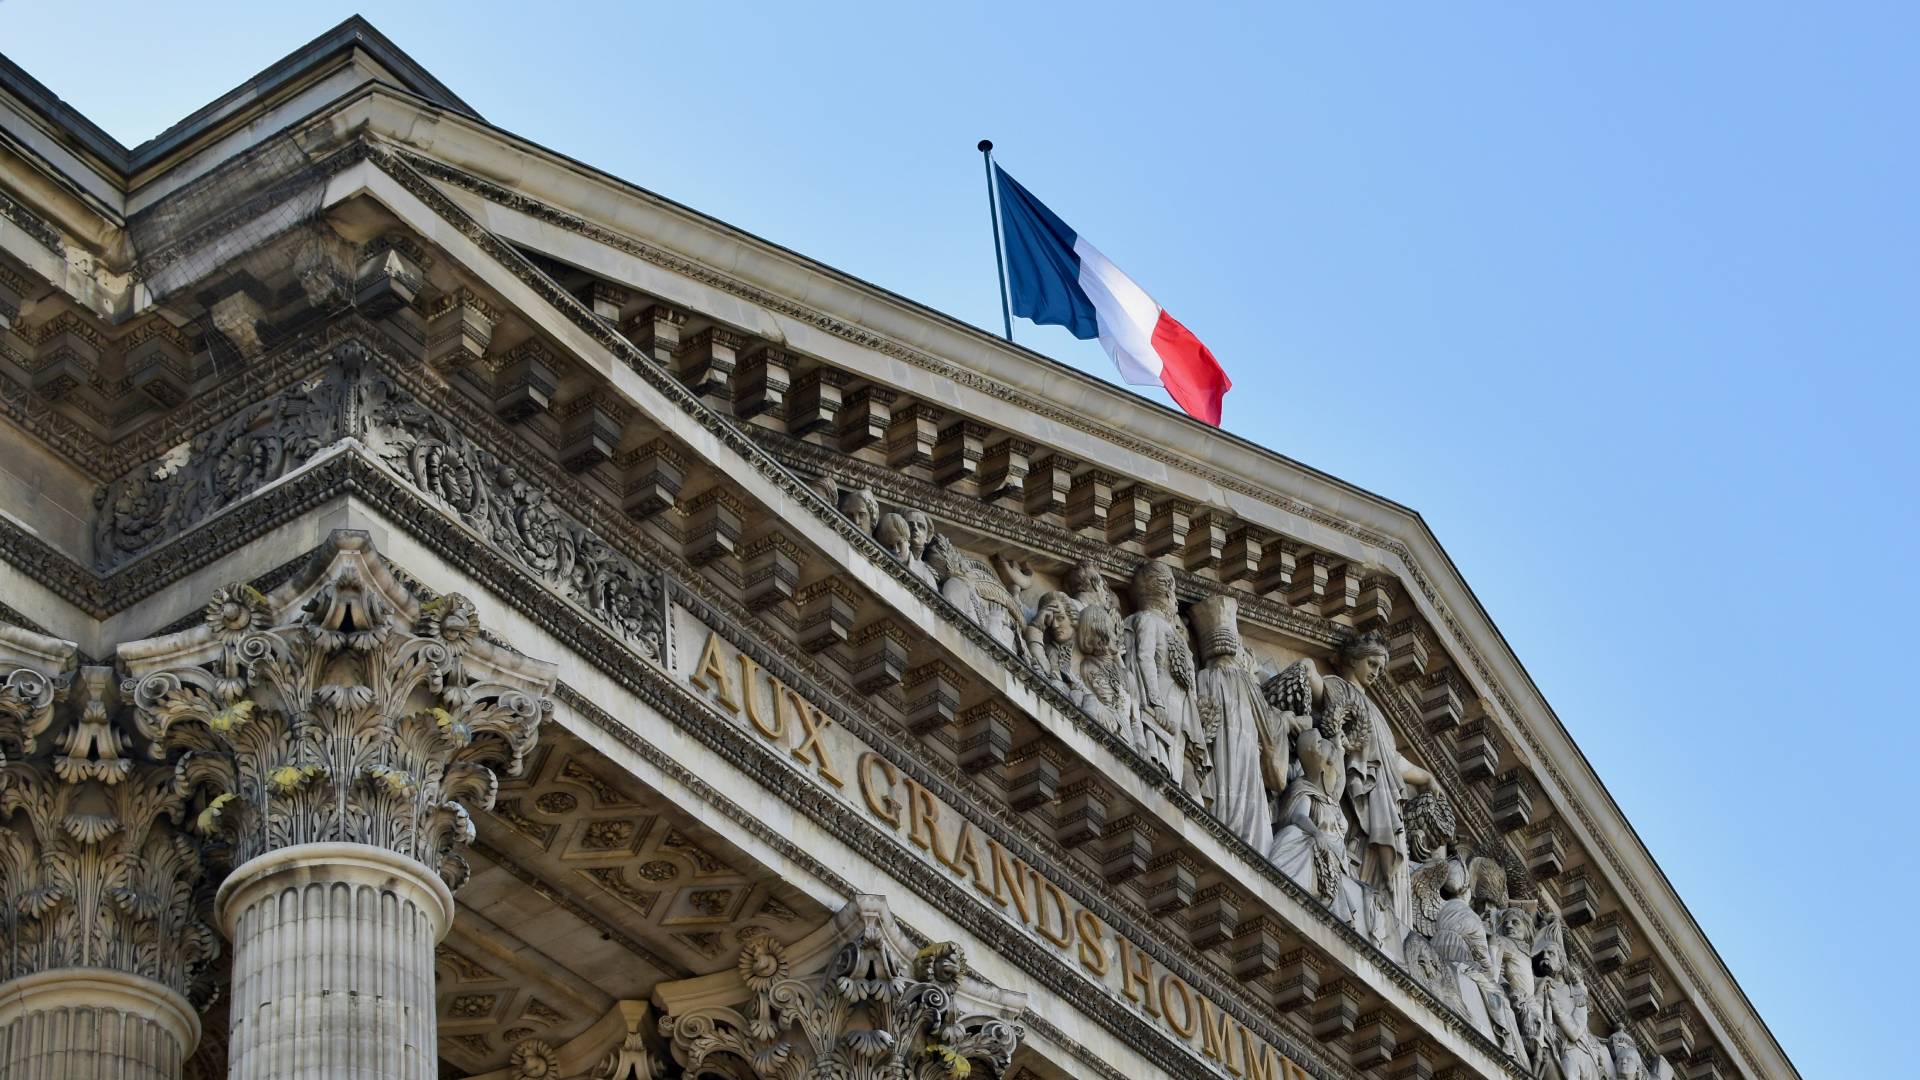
(1622, 299)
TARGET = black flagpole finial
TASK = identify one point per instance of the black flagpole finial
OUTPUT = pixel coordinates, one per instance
(986, 145)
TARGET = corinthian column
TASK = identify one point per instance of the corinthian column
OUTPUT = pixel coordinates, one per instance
(102, 949)
(336, 734)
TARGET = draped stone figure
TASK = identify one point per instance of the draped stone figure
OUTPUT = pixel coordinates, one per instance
(1108, 696)
(1511, 944)
(1460, 938)
(1379, 777)
(1568, 1041)
(1627, 1062)
(1311, 846)
(1241, 726)
(1089, 588)
(1161, 662)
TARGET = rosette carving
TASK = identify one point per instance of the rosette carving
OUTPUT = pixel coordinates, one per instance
(850, 1002)
(340, 708)
(96, 868)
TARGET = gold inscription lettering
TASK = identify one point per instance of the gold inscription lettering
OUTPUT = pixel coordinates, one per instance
(1172, 986)
(713, 666)
(1137, 974)
(749, 694)
(966, 856)
(924, 814)
(1009, 880)
(1261, 1066)
(1216, 1035)
(1049, 891)
(881, 801)
(1093, 947)
(810, 752)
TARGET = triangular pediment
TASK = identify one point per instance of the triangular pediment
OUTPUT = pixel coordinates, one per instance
(682, 438)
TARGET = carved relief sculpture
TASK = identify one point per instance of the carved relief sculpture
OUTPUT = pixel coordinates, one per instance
(1243, 766)
(1161, 662)
(1108, 696)
(1378, 779)
(969, 585)
(896, 535)
(1050, 640)
(1569, 1042)
(852, 1001)
(1311, 846)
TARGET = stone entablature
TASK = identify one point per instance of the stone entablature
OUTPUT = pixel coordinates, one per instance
(1030, 684)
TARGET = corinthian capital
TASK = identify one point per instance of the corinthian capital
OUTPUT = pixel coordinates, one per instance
(95, 869)
(853, 1000)
(339, 708)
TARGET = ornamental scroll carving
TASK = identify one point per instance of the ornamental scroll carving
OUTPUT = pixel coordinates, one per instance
(264, 443)
(96, 869)
(511, 510)
(216, 468)
(853, 1001)
(339, 708)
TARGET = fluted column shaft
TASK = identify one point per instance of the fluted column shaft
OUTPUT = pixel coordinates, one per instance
(93, 1023)
(333, 964)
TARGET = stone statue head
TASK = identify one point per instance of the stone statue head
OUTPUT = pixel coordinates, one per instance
(1549, 952)
(1056, 617)
(1096, 632)
(919, 532)
(1456, 882)
(1515, 923)
(1627, 1062)
(1089, 586)
(943, 557)
(860, 507)
(1153, 586)
(894, 535)
(1363, 659)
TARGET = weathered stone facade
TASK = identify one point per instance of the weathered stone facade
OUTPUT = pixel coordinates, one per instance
(460, 615)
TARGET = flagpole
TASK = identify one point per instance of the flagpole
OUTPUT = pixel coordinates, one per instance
(999, 260)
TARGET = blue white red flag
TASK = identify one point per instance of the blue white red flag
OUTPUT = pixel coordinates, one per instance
(1055, 276)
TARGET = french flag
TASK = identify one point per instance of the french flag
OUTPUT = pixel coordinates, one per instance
(1055, 276)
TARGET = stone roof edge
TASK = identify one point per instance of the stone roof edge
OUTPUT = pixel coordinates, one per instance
(109, 152)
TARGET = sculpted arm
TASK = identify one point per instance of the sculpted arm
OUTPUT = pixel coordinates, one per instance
(1413, 774)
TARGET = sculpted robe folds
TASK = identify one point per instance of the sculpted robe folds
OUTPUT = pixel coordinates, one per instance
(1375, 790)
(1237, 785)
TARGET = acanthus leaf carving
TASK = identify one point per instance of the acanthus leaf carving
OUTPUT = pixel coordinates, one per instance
(97, 869)
(853, 1001)
(340, 708)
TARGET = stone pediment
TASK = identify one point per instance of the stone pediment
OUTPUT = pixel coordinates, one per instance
(498, 339)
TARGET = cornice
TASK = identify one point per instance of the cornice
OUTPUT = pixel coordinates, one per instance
(346, 470)
(1574, 789)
